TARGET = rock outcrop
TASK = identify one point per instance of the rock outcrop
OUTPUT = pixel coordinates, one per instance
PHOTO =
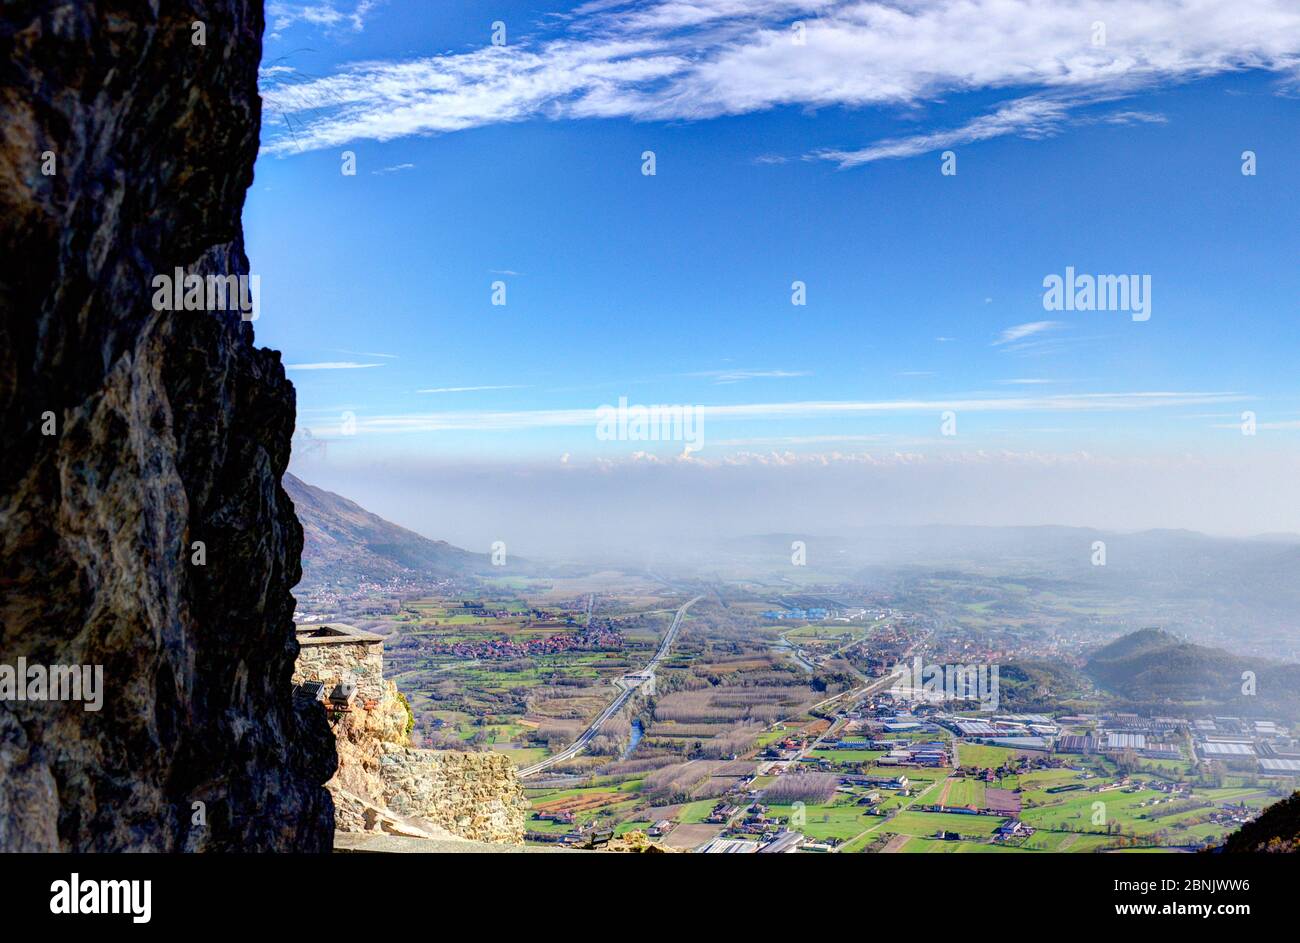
(385, 785)
(1276, 831)
(130, 435)
(637, 843)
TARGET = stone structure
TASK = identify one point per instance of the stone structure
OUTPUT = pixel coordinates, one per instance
(338, 652)
(145, 528)
(383, 785)
(473, 795)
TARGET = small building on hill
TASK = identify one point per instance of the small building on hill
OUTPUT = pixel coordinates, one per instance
(336, 653)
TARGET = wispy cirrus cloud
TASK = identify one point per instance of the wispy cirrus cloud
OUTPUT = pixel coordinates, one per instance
(1133, 117)
(331, 365)
(366, 353)
(1028, 117)
(673, 60)
(470, 389)
(513, 420)
(721, 377)
(1033, 117)
(1020, 332)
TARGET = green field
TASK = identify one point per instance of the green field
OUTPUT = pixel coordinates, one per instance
(966, 792)
(925, 824)
(842, 819)
(693, 813)
(976, 754)
(617, 813)
(935, 846)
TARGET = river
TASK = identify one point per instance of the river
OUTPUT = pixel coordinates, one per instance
(634, 738)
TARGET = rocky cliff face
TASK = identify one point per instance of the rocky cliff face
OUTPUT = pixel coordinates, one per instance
(129, 434)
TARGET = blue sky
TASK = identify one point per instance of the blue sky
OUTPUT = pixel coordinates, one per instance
(778, 162)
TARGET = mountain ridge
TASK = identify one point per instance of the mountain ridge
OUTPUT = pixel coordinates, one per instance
(345, 543)
(1152, 667)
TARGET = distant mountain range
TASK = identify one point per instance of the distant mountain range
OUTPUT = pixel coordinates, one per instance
(1179, 558)
(1240, 592)
(344, 543)
(1153, 668)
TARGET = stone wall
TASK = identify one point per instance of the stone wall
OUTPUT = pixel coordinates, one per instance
(473, 795)
(380, 778)
(359, 662)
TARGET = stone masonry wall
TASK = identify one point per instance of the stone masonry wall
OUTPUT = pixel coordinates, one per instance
(360, 662)
(473, 795)
(381, 778)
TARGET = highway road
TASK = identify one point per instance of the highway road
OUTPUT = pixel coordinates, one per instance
(626, 691)
(870, 686)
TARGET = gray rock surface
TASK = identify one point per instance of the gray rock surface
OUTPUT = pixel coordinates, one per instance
(171, 428)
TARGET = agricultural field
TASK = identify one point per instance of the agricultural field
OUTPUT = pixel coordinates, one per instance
(602, 805)
(926, 824)
(519, 671)
(721, 697)
(985, 757)
(965, 792)
(838, 632)
(522, 666)
(898, 823)
(936, 846)
(842, 819)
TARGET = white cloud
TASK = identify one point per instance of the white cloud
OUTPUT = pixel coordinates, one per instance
(796, 440)
(468, 389)
(1021, 331)
(1134, 117)
(674, 59)
(1028, 117)
(736, 376)
(283, 15)
(513, 420)
(366, 353)
(331, 365)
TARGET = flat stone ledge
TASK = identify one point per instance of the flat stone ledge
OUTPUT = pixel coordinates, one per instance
(377, 843)
(334, 633)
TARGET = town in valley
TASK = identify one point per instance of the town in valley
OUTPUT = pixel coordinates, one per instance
(775, 708)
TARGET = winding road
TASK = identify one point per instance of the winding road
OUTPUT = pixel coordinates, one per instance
(628, 685)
